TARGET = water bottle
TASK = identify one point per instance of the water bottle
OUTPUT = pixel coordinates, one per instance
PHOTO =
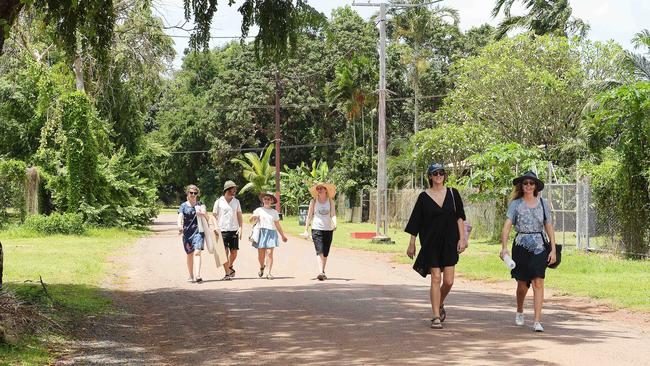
(509, 262)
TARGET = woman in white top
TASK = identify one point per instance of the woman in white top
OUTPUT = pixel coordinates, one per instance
(322, 217)
(267, 220)
(227, 212)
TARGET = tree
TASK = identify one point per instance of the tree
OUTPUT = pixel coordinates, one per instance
(543, 17)
(529, 90)
(640, 62)
(420, 30)
(621, 123)
(258, 171)
(493, 170)
(279, 21)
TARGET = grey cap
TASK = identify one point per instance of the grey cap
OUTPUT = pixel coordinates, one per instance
(435, 167)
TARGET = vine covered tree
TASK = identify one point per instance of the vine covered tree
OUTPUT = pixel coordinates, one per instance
(542, 17)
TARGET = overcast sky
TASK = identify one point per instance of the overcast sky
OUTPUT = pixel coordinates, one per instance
(618, 20)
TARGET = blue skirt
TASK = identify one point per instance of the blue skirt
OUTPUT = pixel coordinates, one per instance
(268, 239)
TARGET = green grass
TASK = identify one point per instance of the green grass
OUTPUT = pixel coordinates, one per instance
(620, 282)
(72, 267)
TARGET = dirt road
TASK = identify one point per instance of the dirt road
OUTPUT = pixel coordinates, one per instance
(369, 312)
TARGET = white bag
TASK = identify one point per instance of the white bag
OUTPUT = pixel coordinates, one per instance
(255, 234)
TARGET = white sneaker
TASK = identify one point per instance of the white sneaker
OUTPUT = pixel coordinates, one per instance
(519, 319)
(537, 327)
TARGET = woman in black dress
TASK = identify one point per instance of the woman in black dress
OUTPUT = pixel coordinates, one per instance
(438, 218)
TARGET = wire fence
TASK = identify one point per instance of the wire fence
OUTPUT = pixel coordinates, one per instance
(577, 221)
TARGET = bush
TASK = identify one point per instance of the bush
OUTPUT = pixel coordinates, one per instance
(56, 223)
(12, 188)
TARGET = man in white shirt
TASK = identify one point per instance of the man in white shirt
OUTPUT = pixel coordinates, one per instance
(228, 214)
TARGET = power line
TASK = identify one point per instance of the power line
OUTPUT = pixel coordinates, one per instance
(246, 149)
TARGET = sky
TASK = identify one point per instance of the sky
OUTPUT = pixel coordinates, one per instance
(618, 20)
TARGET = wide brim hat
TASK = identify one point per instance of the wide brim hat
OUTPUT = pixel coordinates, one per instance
(331, 189)
(532, 176)
(270, 194)
(229, 184)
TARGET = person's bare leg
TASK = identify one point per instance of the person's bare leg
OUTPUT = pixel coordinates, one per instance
(226, 266)
(190, 265)
(261, 255)
(197, 254)
(435, 291)
(321, 263)
(538, 296)
(269, 255)
(232, 257)
(324, 260)
(447, 283)
(522, 290)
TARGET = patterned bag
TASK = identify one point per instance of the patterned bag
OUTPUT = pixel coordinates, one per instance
(468, 227)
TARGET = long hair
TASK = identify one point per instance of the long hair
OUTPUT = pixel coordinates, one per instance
(518, 191)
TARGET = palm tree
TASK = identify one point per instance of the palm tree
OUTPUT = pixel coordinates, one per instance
(352, 89)
(257, 171)
(640, 62)
(543, 17)
(416, 28)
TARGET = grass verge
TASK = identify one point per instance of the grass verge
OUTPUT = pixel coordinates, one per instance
(72, 267)
(620, 282)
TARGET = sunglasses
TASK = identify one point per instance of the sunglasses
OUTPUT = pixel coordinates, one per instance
(438, 173)
(529, 183)
(193, 193)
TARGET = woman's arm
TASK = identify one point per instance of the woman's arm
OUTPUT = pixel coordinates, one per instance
(505, 234)
(333, 213)
(179, 222)
(461, 235)
(551, 237)
(310, 215)
(279, 227)
(410, 251)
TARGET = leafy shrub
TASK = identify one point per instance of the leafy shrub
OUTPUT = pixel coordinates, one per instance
(12, 188)
(56, 223)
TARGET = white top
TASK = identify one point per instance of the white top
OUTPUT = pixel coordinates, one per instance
(227, 213)
(267, 217)
(322, 219)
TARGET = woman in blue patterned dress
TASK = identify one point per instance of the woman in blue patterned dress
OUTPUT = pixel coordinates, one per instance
(531, 218)
(188, 226)
(267, 220)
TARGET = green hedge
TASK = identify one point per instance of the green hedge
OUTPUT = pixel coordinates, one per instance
(56, 223)
(12, 189)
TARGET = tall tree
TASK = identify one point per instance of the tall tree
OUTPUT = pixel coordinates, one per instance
(542, 17)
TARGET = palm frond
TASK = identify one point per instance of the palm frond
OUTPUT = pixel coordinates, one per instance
(641, 39)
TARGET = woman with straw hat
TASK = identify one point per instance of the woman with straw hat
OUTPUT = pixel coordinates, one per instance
(322, 216)
(267, 220)
(227, 212)
(532, 221)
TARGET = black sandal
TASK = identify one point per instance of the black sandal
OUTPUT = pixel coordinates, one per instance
(436, 323)
(261, 272)
(232, 273)
(443, 313)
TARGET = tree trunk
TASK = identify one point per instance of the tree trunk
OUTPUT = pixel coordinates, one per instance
(363, 129)
(1, 265)
(416, 90)
(79, 73)
(9, 10)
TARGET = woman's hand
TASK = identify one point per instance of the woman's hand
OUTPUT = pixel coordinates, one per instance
(410, 252)
(552, 256)
(504, 252)
(284, 238)
(461, 246)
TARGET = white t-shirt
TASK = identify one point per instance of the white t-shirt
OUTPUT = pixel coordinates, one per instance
(266, 217)
(227, 213)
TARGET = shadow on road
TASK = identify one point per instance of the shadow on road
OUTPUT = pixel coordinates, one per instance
(321, 324)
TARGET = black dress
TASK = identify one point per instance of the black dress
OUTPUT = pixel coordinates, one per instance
(437, 228)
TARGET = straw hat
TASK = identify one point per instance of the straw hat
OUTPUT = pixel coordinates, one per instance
(270, 194)
(532, 176)
(331, 189)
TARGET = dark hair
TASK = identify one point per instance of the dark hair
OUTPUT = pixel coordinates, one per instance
(430, 180)
(518, 191)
